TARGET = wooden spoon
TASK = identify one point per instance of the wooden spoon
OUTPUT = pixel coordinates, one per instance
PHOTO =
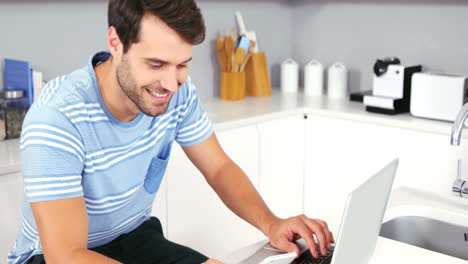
(229, 51)
(238, 58)
(221, 54)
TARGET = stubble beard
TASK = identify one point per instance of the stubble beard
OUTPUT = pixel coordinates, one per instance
(128, 85)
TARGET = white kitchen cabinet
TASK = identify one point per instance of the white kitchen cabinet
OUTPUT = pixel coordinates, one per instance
(282, 164)
(11, 195)
(196, 216)
(428, 162)
(340, 155)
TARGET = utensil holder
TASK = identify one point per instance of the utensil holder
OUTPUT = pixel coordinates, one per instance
(257, 77)
(232, 85)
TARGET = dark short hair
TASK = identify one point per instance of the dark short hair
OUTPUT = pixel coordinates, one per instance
(183, 16)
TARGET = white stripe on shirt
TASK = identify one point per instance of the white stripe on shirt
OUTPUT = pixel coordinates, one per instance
(34, 194)
(51, 136)
(54, 129)
(51, 144)
(199, 126)
(87, 118)
(206, 128)
(86, 112)
(126, 194)
(54, 185)
(45, 179)
(79, 105)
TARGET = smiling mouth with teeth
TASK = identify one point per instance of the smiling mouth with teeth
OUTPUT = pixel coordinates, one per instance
(158, 95)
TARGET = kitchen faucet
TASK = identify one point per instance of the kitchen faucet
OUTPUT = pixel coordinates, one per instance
(458, 186)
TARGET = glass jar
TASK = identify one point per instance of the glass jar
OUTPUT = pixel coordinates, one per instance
(2, 122)
(12, 112)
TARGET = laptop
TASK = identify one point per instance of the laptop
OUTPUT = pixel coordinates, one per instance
(359, 228)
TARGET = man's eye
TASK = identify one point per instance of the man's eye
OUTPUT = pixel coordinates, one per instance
(182, 66)
(156, 66)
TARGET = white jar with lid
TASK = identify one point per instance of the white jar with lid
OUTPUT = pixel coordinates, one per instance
(313, 78)
(337, 81)
(289, 76)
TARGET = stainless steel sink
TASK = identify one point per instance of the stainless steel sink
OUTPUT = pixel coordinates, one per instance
(431, 234)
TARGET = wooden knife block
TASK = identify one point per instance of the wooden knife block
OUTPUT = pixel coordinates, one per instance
(257, 77)
(232, 85)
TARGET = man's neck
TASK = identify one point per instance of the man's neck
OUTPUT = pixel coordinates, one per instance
(115, 100)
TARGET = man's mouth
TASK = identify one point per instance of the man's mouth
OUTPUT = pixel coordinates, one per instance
(158, 95)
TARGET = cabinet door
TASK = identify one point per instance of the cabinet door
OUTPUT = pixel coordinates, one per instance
(196, 216)
(11, 196)
(342, 154)
(282, 164)
(428, 162)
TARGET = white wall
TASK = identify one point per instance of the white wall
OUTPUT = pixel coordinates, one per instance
(428, 32)
(56, 37)
(59, 36)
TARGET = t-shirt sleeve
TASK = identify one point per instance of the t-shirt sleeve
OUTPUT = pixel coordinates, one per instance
(52, 156)
(195, 126)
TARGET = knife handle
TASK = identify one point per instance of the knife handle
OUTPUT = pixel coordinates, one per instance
(240, 23)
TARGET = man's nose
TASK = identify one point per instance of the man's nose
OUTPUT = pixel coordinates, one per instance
(169, 80)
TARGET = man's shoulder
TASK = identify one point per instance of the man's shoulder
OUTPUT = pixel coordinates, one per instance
(61, 93)
(67, 89)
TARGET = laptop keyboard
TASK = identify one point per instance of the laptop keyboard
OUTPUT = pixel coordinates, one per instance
(307, 258)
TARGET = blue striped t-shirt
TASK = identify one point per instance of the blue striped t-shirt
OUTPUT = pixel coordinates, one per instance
(72, 146)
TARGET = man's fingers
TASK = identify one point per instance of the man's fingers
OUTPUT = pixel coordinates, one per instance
(304, 231)
(285, 231)
(328, 233)
(317, 229)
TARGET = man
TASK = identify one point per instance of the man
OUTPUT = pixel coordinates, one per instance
(95, 146)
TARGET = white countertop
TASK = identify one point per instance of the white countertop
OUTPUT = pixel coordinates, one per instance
(227, 114)
(403, 201)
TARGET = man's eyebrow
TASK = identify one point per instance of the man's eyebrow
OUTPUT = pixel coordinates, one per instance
(187, 60)
(156, 60)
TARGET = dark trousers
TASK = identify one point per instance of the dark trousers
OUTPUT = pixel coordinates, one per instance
(144, 245)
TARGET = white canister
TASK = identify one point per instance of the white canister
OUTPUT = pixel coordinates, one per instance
(337, 81)
(313, 78)
(289, 76)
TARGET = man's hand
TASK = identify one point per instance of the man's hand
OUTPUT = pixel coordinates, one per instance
(283, 232)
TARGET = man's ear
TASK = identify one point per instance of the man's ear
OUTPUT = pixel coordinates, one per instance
(113, 42)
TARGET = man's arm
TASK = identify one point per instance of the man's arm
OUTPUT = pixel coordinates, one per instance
(237, 192)
(63, 231)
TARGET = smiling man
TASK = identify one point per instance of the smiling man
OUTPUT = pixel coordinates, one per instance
(95, 146)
